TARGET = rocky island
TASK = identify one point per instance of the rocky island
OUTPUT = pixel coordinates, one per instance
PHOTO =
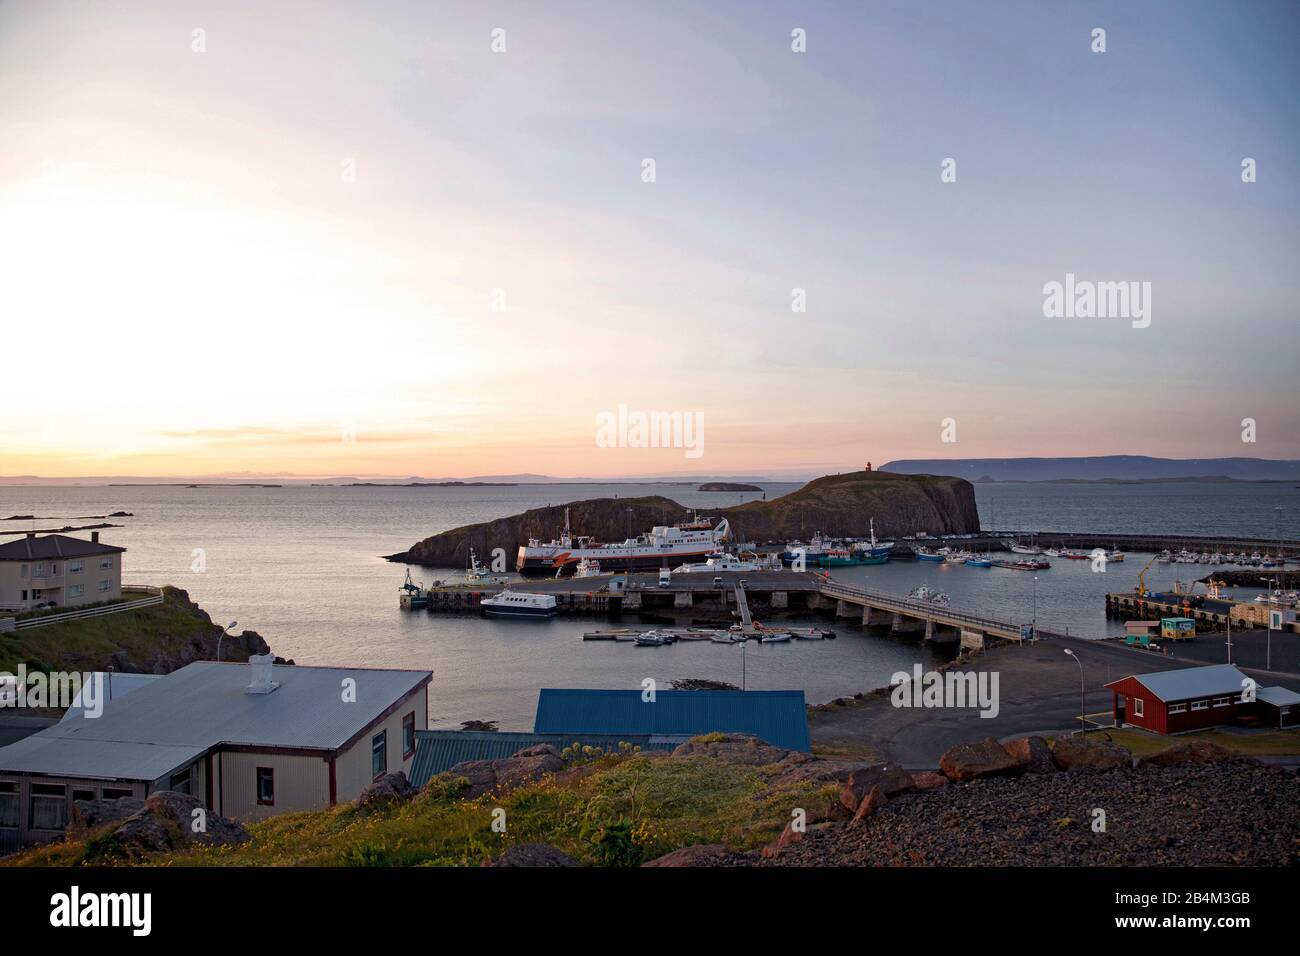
(841, 505)
(728, 486)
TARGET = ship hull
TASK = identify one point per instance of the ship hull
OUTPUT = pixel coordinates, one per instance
(541, 565)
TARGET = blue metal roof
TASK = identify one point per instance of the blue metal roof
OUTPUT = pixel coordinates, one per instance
(779, 717)
(437, 751)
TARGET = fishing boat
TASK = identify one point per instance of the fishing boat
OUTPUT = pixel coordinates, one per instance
(811, 633)
(958, 557)
(975, 561)
(519, 604)
(478, 574)
(413, 596)
(1114, 554)
(774, 639)
(697, 538)
(811, 552)
(587, 568)
(925, 554)
(1074, 555)
(1018, 548)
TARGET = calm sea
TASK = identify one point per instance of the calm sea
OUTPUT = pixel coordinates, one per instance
(302, 567)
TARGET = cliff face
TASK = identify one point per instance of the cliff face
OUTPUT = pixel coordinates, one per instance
(837, 505)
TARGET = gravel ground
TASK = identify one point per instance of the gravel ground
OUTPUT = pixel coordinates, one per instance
(1237, 813)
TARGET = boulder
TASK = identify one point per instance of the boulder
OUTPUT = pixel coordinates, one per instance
(790, 836)
(526, 766)
(89, 814)
(170, 820)
(889, 779)
(1085, 754)
(702, 854)
(532, 854)
(1189, 751)
(925, 780)
(873, 801)
(389, 789)
(987, 758)
(743, 749)
(1031, 754)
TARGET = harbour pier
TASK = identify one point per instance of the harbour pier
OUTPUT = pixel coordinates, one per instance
(705, 597)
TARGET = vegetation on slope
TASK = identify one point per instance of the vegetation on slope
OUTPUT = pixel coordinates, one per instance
(151, 640)
(619, 810)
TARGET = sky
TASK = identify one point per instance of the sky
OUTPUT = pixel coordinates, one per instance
(344, 238)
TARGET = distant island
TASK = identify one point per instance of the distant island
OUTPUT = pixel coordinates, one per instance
(1102, 468)
(838, 505)
(727, 486)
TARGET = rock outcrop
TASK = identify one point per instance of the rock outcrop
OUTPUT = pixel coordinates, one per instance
(835, 504)
(164, 820)
(389, 789)
(529, 764)
(1189, 751)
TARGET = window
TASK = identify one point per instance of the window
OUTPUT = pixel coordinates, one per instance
(24, 594)
(76, 567)
(1222, 701)
(49, 807)
(106, 562)
(183, 782)
(408, 735)
(1177, 708)
(38, 570)
(1137, 706)
(22, 570)
(9, 805)
(379, 754)
(117, 793)
(75, 590)
(266, 786)
(82, 794)
(1200, 705)
(106, 585)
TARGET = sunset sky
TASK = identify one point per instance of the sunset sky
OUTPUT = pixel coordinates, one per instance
(284, 253)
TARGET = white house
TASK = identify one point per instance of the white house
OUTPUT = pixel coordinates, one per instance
(247, 742)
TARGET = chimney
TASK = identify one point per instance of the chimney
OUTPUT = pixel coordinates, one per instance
(94, 537)
(260, 665)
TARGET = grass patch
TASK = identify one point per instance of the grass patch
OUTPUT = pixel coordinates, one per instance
(1254, 743)
(620, 811)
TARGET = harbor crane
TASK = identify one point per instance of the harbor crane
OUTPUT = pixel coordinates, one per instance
(1142, 577)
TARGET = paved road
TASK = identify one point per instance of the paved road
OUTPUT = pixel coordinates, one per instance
(1039, 691)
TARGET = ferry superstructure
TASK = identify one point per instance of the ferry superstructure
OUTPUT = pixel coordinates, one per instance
(662, 546)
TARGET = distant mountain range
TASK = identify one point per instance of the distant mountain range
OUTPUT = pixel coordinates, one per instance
(1105, 468)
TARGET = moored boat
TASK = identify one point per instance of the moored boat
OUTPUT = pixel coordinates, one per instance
(519, 604)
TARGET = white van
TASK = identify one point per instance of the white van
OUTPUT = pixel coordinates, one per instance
(665, 577)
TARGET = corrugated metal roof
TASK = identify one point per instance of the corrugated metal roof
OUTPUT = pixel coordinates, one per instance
(437, 751)
(779, 717)
(1278, 696)
(114, 686)
(167, 722)
(1189, 682)
(53, 546)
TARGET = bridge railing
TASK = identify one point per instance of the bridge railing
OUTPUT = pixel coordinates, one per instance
(920, 608)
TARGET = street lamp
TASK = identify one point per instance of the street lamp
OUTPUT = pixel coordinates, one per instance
(228, 627)
(1083, 707)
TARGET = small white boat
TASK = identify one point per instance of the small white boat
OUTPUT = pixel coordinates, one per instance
(519, 604)
(716, 563)
(652, 639)
(1114, 554)
(774, 639)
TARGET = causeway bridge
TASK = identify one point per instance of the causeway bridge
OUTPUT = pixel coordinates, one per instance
(903, 614)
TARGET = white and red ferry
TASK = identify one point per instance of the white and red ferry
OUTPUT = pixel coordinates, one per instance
(662, 546)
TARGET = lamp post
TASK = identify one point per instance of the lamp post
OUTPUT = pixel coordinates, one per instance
(228, 627)
(1083, 707)
(1035, 617)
